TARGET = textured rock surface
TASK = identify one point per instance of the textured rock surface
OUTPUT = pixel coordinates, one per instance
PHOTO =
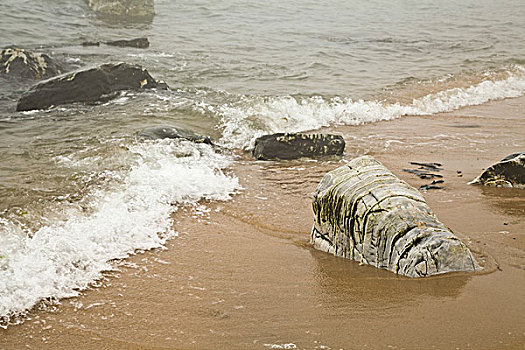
(293, 146)
(20, 63)
(87, 86)
(129, 8)
(509, 172)
(169, 132)
(365, 213)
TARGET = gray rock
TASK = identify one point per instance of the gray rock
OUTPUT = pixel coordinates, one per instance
(293, 146)
(123, 8)
(509, 172)
(365, 213)
(23, 64)
(169, 132)
(88, 85)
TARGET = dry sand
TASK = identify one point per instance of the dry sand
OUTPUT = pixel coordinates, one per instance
(243, 275)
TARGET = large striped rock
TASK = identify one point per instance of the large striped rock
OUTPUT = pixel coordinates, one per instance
(365, 213)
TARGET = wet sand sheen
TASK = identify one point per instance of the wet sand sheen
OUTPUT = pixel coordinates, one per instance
(244, 276)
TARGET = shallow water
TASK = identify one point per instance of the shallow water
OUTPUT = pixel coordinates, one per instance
(236, 70)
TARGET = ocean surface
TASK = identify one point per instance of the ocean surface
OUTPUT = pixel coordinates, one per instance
(79, 190)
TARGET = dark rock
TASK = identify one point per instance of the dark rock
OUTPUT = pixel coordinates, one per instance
(169, 132)
(88, 85)
(509, 172)
(365, 213)
(293, 146)
(20, 63)
(422, 174)
(91, 43)
(432, 166)
(141, 43)
(430, 187)
(123, 8)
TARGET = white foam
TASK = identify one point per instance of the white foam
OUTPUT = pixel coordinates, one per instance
(64, 257)
(251, 117)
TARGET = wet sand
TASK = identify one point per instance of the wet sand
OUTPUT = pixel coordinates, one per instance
(242, 275)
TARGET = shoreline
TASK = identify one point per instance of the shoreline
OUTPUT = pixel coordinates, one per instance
(243, 275)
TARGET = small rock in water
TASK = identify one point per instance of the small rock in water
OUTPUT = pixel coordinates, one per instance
(169, 132)
(509, 172)
(20, 63)
(141, 43)
(88, 85)
(293, 146)
(91, 43)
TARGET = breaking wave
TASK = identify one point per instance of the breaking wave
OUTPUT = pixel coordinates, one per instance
(252, 116)
(63, 257)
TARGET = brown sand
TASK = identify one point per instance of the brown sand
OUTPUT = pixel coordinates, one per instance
(243, 276)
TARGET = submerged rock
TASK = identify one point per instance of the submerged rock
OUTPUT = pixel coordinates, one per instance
(509, 172)
(88, 85)
(123, 8)
(365, 213)
(91, 43)
(170, 132)
(293, 146)
(141, 43)
(20, 63)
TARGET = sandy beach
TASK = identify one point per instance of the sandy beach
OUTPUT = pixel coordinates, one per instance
(243, 276)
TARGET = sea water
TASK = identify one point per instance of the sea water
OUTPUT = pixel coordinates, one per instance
(78, 189)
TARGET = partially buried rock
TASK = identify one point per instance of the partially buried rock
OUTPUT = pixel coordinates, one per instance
(123, 8)
(365, 213)
(169, 132)
(509, 172)
(20, 63)
(88, 85)
(293, 146)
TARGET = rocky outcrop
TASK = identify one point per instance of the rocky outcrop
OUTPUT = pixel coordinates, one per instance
(169, 132)
(509, 172)
(293, 146)
(123, 8)
(365, 213)
(88, 85)
(23, 64)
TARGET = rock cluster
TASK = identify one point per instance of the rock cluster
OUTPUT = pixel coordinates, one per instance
(365, 213)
